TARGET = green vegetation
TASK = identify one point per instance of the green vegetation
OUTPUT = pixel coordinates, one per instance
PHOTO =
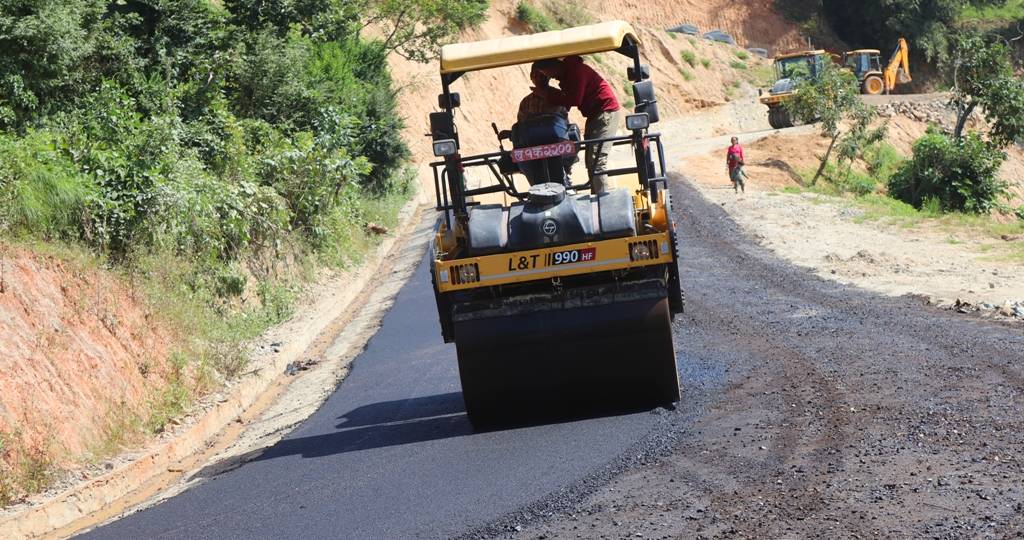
(537, 20)
(689, 57)
(21, 470)
(957, 174)
(213, 153)
(762, 75)
(1004, 11)
(742, 55)
(553, 15)
(736, 64)
(833, 99)
(705, 62)
(927, 24)
(686, 74)
(960, 172)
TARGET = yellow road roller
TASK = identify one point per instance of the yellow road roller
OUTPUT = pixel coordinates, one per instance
(558, 299)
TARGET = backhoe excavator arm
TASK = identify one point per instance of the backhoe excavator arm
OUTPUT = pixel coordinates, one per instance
(898, 69)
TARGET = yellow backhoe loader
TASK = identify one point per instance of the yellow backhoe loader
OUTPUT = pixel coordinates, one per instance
(866, 65)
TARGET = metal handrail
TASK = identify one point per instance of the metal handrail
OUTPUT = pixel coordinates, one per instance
(507, 185)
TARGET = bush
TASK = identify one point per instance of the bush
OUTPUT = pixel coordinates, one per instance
(43, 191)
(883, 160)
(568, 13)
(689, 57)
(536, 19)
(960, 174)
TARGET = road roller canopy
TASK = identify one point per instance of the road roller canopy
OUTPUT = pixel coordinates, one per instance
(508, 51)
(800, 54)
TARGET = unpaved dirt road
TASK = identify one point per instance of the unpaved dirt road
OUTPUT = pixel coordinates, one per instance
(810, 409)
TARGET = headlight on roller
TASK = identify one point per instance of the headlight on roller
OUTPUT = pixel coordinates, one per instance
(468, 273)
(445, 147)
(644, 251)
(640, 252)
(463, 274)
(637, 121)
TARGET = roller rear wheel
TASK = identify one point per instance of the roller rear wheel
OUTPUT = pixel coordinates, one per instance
(573, 362)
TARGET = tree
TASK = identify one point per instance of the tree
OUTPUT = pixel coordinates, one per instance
(416, 29)
(960, 172)
(833, 98)
(983, 76)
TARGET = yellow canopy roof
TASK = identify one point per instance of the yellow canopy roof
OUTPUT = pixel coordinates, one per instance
(492, 53)
(800, 54)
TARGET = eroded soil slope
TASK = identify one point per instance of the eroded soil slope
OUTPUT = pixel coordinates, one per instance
(80, 353)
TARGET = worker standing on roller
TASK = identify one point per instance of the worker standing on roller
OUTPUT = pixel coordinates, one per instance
(533, 104)
(734, 160)
(582, 87)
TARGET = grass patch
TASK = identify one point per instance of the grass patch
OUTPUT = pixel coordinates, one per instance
(762, 75)
(686, 74)
(742, 55)
(568, 13)
(705, 62)
(883, 160)
(628, 103)
(1006, 11)
(553, 15)
(689, 57)
(736, 64)
(537, 20)
(23, 470)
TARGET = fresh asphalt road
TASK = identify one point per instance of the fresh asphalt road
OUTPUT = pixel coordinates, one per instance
(391, 455)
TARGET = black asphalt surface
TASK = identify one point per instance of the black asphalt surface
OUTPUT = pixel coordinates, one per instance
(392, 455)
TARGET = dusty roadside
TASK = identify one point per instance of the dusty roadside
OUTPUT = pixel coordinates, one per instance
(942, 261)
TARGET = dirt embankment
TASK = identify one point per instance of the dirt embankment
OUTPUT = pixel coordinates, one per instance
(80, 353)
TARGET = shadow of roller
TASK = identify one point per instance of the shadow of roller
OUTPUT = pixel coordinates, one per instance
(564, 363)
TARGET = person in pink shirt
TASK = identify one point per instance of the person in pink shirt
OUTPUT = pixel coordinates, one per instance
(734, 160)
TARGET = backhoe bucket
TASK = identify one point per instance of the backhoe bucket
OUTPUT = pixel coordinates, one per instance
(555, 361)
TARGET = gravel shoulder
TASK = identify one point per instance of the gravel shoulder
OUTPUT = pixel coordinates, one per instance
(844, 413)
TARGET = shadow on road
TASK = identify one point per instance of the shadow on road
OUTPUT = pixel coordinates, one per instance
(378, 425)
(394, 423)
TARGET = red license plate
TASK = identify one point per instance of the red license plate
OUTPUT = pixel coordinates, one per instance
(545, 151)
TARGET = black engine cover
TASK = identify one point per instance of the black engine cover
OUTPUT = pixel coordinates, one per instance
(550, 217)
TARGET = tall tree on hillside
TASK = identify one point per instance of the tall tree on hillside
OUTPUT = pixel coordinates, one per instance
(983, 76)
(416, 29)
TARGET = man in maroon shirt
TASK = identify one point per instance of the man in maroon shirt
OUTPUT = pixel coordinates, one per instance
(583, 88)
